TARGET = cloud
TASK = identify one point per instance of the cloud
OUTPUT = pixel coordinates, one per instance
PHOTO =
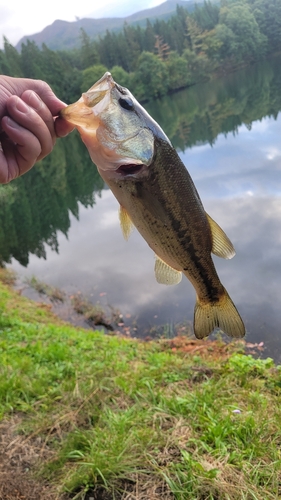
(122, 9)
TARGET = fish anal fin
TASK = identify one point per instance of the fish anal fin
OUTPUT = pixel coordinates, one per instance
(222, 246)
(125, 222)
(222, 314)
(165, 274)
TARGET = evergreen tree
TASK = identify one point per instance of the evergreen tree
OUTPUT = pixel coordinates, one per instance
(162, 49)
(31, 61)
(53, 68)
(4, 65)
(71, 83)
(149, 38)
(133, 42)
(88, 52)
(206, 16)
(194, 34)
(108, 49)
(13, 60)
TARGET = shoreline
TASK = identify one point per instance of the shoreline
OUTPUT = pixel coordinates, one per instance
(86, 415)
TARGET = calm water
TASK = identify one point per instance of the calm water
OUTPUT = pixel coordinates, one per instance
(60, 225)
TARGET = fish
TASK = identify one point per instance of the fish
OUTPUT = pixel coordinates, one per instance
(157, 195)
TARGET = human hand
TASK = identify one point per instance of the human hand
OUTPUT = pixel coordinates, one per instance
(29, 124)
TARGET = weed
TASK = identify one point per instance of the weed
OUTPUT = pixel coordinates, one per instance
(95, 314)
(53, 293)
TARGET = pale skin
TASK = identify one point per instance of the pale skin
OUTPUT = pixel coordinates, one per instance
(29, 124)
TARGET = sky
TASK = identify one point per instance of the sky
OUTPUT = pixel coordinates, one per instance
(18, 18)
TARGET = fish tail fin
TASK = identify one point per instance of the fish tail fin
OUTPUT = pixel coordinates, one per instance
(222, 314)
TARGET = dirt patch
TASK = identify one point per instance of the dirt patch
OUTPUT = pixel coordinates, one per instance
(210, 348)
(138, 487)
(19, 458)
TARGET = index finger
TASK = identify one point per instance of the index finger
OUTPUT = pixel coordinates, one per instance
(35, 102)
(57, 127)
(17, 86)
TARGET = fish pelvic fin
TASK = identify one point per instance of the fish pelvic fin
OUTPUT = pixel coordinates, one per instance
(166, 275)
(222, 246)
(125, 222)
(222, 314)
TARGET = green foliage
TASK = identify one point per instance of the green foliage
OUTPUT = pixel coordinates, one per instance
(207, 16)
(4, 65)
(211, 38)
(248, 42)
(70, 89)
(88, 52)
(247, 365)
(31, 61)
(179, 74)
(121, 76)
(198, 65)
(202, 112)
(35, 207)
(268, 16)
(116, 414)
(12, 60)
(91, 75)
(151, 78)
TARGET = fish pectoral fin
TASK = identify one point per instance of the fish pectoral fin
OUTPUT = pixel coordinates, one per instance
(125, 222)
(222, 246)
(166, 275)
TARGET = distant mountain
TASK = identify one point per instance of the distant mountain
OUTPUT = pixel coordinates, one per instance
(63, 35)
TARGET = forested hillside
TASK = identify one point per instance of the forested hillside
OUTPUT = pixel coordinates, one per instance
(160, 58)
(64, 35)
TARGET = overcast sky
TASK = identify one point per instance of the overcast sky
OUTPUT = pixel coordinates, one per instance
(19, 18)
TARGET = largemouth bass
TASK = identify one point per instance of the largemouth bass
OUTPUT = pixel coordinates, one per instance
(156, 195)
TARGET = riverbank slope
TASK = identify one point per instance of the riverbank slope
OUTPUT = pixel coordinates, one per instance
(86, 415)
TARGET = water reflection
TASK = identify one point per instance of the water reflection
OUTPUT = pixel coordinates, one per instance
(203, 112)
(238, 176)
(36, 206)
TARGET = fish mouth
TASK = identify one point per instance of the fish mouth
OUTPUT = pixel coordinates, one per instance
(86, 110)
(130, 169)
(99, 90)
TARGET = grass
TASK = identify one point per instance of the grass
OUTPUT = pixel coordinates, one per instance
(113, 418)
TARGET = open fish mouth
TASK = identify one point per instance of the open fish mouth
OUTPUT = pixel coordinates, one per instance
(130, 169)
(90, 104)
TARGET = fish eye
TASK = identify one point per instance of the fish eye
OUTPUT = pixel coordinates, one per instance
(126, 103)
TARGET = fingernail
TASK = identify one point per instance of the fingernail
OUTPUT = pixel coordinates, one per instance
(11, 122)
(34, 101)
(21, 106)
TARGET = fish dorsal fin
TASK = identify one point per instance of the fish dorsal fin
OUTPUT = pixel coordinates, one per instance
(125, 222)
(166, 275)
(222, 246)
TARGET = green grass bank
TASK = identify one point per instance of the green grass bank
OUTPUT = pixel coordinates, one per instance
(89, 416)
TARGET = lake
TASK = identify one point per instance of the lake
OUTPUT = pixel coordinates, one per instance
(59, 222)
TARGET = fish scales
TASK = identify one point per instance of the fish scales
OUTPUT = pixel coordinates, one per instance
(164, 207)
(157, 195)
